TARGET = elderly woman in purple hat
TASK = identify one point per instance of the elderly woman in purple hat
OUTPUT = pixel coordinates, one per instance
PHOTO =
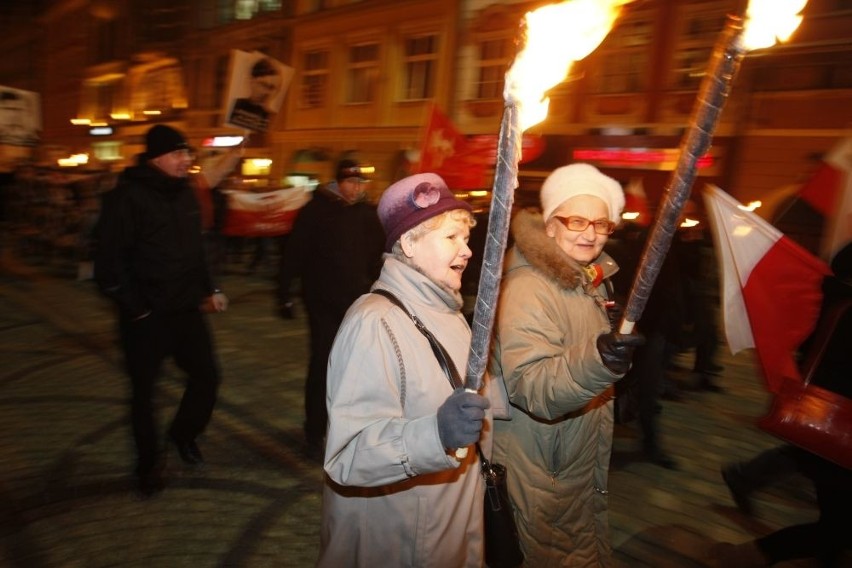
(395, 492)
(556, 354)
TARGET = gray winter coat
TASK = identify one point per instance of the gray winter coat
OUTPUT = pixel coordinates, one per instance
(557, 444)
(393, 495)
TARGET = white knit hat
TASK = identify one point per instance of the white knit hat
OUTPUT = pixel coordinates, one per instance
(580, 179)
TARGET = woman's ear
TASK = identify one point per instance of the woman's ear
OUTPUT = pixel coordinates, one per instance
(407, 244)
(550, 228)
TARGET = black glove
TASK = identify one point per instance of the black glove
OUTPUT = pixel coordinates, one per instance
(460, 418)
(616, 350)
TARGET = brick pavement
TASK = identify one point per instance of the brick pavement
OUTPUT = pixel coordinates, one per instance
(67, 500)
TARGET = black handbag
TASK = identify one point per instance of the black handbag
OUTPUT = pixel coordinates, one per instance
(502, 546)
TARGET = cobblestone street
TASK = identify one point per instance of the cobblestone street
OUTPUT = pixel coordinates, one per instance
(67, 498)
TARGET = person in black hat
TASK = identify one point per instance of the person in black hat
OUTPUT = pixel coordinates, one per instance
(336, 248)
(149, 259)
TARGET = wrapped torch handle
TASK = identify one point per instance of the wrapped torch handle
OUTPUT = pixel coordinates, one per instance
(715, 87)
(502, 197)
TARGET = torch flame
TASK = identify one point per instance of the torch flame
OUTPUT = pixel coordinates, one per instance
(556, 36)
(767, 20)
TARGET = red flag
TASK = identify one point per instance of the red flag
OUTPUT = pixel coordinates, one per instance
(771, 287)
(821, 190)
(532, 146)
(829, 192)
(636, 203)
(446, 152)
(838, 231)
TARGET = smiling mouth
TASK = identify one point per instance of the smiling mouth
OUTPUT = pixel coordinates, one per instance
(458, 267)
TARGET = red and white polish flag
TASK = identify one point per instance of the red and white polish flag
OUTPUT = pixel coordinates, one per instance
(771, 286)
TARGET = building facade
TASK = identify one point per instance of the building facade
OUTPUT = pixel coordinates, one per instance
(366, 73)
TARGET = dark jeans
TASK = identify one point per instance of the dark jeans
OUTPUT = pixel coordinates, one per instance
(652, 366)
(639, 392)
(147, 343)
(768, 467)
(324, 320)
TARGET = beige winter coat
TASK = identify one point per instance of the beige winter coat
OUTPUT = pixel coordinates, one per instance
(394, 496)
(557, 444)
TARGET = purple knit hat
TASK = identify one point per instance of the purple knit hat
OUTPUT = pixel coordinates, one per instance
(412, 200)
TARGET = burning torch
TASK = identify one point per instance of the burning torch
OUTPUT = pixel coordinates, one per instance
(542, 63)
(765, 20)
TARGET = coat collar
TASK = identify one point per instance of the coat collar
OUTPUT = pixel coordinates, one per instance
(414, 286)
(541, 252)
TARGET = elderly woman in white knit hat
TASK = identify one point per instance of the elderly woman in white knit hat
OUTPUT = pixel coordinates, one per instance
(558, 358)
(395, 493)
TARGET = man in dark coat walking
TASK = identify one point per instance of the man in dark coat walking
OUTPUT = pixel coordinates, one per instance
(149, 259)
(336, 248)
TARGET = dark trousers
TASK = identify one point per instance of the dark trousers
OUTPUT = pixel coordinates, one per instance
(147, 343)
(324, 320)
(768, 467)
(638, 393)
(827, 538)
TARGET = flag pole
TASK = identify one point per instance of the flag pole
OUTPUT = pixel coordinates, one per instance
(715, 87)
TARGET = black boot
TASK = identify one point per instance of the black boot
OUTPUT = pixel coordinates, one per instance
(188, 451)
(736, 485)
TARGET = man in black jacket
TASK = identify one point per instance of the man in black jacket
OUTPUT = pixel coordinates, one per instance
(150, 261)
(336, 248)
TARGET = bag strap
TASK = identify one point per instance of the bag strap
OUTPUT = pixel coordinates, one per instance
(440, 353)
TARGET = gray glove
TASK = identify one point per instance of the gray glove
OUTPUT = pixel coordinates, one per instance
(616, 350)
(460, 418)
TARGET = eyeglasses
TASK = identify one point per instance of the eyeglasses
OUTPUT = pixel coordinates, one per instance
(575, 223)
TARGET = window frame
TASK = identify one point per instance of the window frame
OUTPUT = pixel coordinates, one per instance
(314, 81)
(420, 70)
(362, 75)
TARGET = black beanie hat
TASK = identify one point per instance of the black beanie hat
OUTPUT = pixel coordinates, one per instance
(162, 139)
(348, 169)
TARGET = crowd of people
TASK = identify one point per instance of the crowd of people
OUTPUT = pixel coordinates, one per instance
(382, 286)
(49, 214)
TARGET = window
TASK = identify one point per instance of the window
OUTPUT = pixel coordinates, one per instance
(421, 54)
(689, 67)
(161, 21)
(212, 13)
(624, 57)
(248, 9)
(495, 56)
(105, 95)
(698, 34)
(363, 73)
(314, 80)
(622, 73)
(104, 38)
(795, 72)
(107, 151)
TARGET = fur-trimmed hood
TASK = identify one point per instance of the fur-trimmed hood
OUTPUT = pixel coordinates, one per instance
(543, 254)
